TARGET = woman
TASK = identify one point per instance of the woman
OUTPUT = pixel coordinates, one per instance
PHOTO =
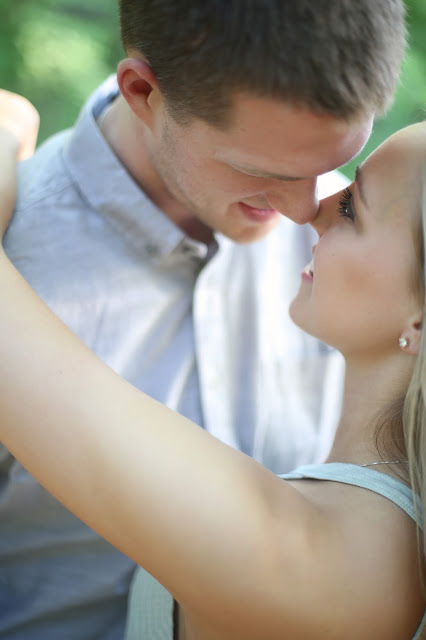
(245, 553)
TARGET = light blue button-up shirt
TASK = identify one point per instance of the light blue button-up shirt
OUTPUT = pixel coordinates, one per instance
(208, 335)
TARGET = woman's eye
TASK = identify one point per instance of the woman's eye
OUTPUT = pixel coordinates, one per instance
(345, 205)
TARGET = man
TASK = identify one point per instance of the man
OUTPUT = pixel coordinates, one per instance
(137, 228)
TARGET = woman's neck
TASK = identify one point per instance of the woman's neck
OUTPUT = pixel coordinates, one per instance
(370, 388)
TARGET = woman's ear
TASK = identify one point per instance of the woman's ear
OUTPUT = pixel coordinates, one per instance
(139, 87)
(410, 338)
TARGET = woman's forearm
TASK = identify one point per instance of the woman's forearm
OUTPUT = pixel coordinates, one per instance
(193, 512)
(156, 486)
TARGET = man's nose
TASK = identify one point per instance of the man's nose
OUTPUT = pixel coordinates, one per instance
(297, 200)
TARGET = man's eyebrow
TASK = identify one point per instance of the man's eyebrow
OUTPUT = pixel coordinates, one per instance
(359, 180)
(263, 174)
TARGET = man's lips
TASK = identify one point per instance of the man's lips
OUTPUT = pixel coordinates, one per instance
(257, 214)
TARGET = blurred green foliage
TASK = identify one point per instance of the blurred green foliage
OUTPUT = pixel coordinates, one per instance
(410, 100)
(56, 52)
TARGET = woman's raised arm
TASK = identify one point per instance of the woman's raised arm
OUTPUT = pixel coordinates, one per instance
(195, 513)
(204, 519)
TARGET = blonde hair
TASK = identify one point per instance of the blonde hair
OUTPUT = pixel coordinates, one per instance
(414, 411)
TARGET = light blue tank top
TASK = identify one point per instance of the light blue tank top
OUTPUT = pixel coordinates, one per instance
(150, 613)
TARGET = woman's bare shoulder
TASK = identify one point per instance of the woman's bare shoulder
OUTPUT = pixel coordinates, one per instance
(353, 573)
(362, 576)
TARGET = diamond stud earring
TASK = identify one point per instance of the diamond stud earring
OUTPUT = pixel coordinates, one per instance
(403, 342)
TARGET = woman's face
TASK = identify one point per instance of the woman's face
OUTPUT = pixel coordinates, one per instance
(359, 291)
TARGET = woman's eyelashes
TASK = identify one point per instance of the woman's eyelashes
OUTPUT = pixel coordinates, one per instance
(346, 209)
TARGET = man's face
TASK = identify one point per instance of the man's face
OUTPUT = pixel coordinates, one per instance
(238, 181)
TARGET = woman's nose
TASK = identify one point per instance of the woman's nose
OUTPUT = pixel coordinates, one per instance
(326, 215)
(319, 223)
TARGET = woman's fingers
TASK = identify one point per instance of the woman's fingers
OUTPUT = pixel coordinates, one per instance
(20, 119)
(19, 122)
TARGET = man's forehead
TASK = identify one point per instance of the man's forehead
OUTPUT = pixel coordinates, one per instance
(247, 105)
(288, 126)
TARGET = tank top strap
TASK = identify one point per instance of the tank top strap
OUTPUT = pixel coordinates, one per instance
(150, 610)
(363, 477)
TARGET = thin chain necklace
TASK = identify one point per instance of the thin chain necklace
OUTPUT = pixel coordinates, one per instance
(373, 464)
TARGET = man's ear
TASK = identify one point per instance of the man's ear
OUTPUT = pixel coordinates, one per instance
(413, 334)
(139, 87)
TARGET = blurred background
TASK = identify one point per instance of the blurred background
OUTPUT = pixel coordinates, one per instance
(56, 52)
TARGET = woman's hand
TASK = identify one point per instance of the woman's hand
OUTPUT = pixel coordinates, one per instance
(19, 122)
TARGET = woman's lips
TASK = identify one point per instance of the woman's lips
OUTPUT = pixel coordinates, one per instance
(307, 273)
(256, 214)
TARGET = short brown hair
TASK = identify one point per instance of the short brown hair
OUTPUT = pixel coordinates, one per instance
(340, 57)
